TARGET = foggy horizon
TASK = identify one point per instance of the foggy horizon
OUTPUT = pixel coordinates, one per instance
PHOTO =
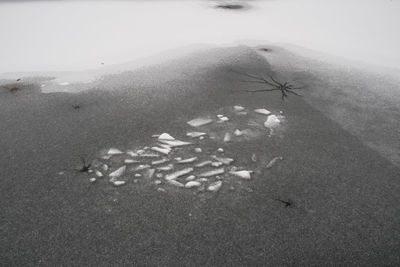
(72, 35)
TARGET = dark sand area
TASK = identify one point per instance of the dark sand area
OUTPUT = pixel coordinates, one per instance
(345, 195)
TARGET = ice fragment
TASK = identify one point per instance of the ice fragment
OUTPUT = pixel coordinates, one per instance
(204, 163)
(166, 136)
(214, 187)
(175, 183)
(238, 132)
(164, 151)
(195, 134)
(189, 160)
(272, 121)
(273, 161)
(175, 143)
(199, 122)
(262, 111)
(227, 137)
(225, 161)
(192, 184)
(114, 151)
(242, 174)
(179, 173)
(118, 183)
(118, 172)
(212, 172)
(238, 108)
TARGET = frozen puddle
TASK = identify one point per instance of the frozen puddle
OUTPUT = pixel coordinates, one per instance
(189, 164)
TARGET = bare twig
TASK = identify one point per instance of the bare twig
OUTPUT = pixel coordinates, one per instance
(287, 203)
(85, 165)
(285, 88)
(262, 90)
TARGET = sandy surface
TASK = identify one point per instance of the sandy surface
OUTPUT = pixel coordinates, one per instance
(362, 98)
(345, 195)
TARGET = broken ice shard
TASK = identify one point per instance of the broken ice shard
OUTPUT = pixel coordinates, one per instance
(204, 163)
(242, 174)
(238, 132)
(195, 134)
(174, 175)
(238, 108)
(225, 161)
(223, 119)
(128, 161)
(175, 183)
(118, 183)
(227, 137)
(273, 161)
(199, 122)
(214, 187)
(192, 184)
(262, 111)
(142, 167)
(150, 173)
(164, 151)
(118, 172)
(166, 136)
(175, 143)
(188, 160)
(272, 122)
(114, 151)
(131, 153)
(190, 178)
(217, 164)
(164, 146)
(212, 173)
(166, 167)
(149, 155)
(161, 161)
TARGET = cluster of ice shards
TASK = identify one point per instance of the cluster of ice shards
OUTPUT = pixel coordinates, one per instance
(170, 162)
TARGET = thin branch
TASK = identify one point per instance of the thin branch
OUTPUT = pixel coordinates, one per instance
(253, 82)
(254, 77)
(248, 75)
(278, 83)
(262, 90)
(284, 95)
(294, 93)
(293, 88)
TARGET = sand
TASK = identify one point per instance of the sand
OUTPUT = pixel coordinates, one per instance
(345, 195)
(362, 98)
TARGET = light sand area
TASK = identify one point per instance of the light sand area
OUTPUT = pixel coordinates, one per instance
(345, 195)
(364, 99)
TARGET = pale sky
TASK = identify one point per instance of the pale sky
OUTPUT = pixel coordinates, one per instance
(76, 35)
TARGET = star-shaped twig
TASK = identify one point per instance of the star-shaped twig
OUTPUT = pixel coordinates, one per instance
(285, 88)
(85, 165)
